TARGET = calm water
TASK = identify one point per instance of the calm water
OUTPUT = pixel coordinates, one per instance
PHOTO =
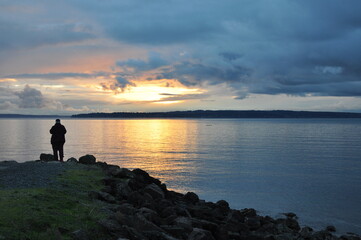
(308, 166)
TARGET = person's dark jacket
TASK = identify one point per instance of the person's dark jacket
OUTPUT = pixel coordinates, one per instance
(58, 134)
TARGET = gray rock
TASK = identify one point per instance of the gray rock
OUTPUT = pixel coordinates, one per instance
(184, 222)
(168, 211)
(323, 235)
(122, 173)
(293, 224)
(223, 233)
(122, 218)
(176, 231)
(204, 224)
(200, 234)
(237, 227)
(143, 177)
(268, 228)
(283, 228)
(140, 223)
(132, 233)
(306, 232)
(72, 159)
(136, 221)
(110, 225)
(162, 204)
(149, 214)
(253, 222)
(235, 216)
(248, 212)
(159, 236)
(287, 225)
(127, 209)
(79, 235)
(87, 159)
(135, 198)
(331, 228)
(47, 157)
(350, 236)
(155, 191)
(191, 197)
(285, 236)
(222, 204)
(122, 190)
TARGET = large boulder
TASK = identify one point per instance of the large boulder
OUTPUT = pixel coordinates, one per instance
(80, 234)
(87, 159)
(143, 177)
(122, 190)
(122, 173)
(47, 157)
(191, 197)
(155, 191)
(200, 234)
(72, 160)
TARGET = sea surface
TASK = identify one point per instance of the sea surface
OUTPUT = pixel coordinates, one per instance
(311, 167)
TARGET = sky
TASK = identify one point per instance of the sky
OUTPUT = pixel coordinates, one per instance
(80, 56)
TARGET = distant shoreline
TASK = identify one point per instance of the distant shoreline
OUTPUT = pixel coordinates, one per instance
(219, 114)
(31, 116)
(215, 114)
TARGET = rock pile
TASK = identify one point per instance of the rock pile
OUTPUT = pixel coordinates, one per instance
(47, 157)
(143, 208)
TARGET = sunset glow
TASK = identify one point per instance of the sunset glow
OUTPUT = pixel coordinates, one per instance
(154, 93)
(122, 56)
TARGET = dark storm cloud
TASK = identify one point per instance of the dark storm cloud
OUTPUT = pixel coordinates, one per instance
(15, 35)
(296, 47)
(269, 47)
(154, 61)
(154, 22)
(331, 89)
(118, 84)
(229, 56)
(123, 82)
(57, 76)
(191, 74)
(31, 98)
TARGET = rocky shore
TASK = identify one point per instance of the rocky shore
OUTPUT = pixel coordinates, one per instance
(143, 208)
(140, 207)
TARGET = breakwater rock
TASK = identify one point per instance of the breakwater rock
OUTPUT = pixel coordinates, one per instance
(141, 207)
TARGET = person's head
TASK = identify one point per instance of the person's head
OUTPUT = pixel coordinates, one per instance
(57, 120)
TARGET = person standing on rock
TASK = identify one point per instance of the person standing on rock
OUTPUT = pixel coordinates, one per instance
(58, 132)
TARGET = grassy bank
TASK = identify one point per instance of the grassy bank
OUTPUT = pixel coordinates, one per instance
(53, 212)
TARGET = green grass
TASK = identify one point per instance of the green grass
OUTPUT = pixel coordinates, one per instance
(53, 212)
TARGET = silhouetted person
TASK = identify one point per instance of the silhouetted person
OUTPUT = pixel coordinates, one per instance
(58, 139)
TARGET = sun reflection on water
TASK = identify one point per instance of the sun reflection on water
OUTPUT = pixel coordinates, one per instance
(162, 147)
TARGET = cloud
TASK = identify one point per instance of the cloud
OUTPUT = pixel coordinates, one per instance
(31, 98)
(181, 97)
(275, 47)
(154, 61)
(56, 76)
(7, 105)
(26, 35)
(123, 82)
(117, 85)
